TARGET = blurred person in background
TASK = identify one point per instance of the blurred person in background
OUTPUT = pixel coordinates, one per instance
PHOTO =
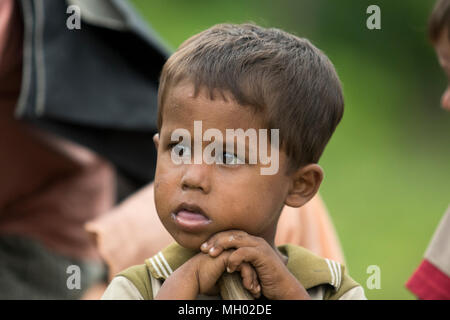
(68, 150)
(431, 280)
(77, 117)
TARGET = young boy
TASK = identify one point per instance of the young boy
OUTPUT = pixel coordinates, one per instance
(223, 215)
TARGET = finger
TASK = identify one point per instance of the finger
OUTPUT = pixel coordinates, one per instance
(256, 291)
(228, 239)
(210, 269)
(245, 254)
(250, 279)
(222, 259)
(247, 275)
(212, 245)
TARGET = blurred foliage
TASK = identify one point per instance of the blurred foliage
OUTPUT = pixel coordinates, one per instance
(387, 167)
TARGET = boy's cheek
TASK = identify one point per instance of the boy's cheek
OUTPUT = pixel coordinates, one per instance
(164, 162)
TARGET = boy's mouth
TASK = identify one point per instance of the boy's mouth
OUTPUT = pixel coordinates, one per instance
(190, 217)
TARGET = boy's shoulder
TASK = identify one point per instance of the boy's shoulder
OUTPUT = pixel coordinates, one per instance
(147, 277)
(139, 276)
(313, 271)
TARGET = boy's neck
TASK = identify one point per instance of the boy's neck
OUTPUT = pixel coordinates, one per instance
(283, 257)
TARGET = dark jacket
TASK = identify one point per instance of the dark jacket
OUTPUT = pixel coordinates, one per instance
(96, 85)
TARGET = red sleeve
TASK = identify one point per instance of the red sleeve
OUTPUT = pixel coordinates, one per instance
(429, 283)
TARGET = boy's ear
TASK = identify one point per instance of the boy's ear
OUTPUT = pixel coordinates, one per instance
(305, 184)
(156, 140)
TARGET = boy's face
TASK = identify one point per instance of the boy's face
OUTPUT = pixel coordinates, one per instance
(195, 201)
(442, 47)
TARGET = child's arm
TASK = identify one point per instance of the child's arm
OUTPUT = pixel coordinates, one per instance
(199, 275)
(277, 283)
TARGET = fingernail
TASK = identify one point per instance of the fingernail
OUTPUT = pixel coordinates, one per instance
(205, 245)
(228, 270)
(251, 286)
(258, 288)
(211, 250)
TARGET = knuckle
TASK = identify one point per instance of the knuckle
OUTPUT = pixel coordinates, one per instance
(260, 240)
(233, 258)
(238, 236)
(216, 243)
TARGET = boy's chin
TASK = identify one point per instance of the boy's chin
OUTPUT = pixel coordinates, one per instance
(190, 241)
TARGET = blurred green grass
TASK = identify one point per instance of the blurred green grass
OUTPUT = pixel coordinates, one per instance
(387, 168)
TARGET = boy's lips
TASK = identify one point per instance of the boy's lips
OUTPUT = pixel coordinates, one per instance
(190, 217)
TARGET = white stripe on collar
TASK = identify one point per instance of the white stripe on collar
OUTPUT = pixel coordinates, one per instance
(166, 274)
(336, 273)
(165, 262)
(155, 267)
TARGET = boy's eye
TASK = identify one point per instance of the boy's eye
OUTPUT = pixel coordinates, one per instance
(180, 150)
(229, 159)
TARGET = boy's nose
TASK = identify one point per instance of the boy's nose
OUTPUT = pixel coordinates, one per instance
(445, 100)
(196, 177)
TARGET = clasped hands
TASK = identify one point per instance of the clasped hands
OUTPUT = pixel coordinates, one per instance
(262, 268)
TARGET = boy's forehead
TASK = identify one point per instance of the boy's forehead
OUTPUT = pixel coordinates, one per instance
(183, 106)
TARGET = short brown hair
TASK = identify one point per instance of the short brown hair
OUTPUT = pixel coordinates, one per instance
(439, 19)
(283, 77)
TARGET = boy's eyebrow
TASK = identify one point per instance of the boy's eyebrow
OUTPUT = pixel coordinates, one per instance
(168, 130)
